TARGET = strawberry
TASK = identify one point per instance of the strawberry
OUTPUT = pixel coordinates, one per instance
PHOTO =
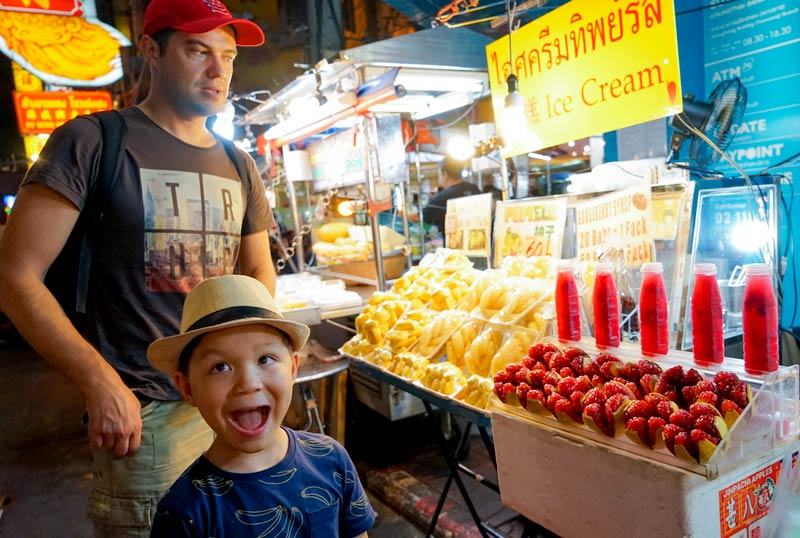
(523, 375)
(636, 429)
(551, 378)
(536, 379)
(670, 432)
(565, 411)
(498, 389)
(556, 361)
(705, 444)
(538, 351)
(627, 370)
(535, 401)
(608, 370)
(689, 393)
(594, 416)
(639, 408)
(566, 386)
(665, 408)
(726, 382)
(513, 368)
(595, 395)
(682, 418)
(522, 393)
(528, 362)
(741, 394)
(700, 408)
(615, 409)
(549, 389)
(708, 397)
(583, 383)
(648, 382)
(706, 385)
(615, 387)
(501, 377)
(662, 386)
(647, 366)
(577, 400)
(673, 376)
(591, 369)
(566, 371)
(603, 358)
(509, 394)
(552, 400)
(730, 411)
(598, 380)
(685, 448)
(709, 424)
(691, 377)
(655, 427)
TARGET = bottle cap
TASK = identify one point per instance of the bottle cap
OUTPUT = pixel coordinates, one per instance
(752, 269)
(563, 265)
(603, 267)
(652, 267)
(705, 269)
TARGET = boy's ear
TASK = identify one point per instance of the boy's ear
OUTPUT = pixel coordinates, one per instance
(184, 387)
(295, 364)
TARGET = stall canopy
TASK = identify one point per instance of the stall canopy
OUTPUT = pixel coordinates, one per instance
(453, 76)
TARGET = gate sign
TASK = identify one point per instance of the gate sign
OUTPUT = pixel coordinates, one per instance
(586, 68)
(50, 7)
(42, 112)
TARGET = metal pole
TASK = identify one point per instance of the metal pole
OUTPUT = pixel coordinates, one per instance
(421, 219)
(295, 218)
(377, 252)
(504, 178)
(406, 183)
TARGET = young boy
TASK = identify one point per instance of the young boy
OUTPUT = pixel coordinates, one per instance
(236, 360)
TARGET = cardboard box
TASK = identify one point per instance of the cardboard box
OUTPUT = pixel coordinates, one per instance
(577, 487)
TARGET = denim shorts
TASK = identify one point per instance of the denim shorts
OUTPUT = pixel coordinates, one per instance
(125, 491)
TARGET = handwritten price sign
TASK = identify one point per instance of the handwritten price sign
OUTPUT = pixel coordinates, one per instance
(529, 228)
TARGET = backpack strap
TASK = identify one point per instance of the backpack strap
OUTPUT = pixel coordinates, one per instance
(112, 134)
(239, 161)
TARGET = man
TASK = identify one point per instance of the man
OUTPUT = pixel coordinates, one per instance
(454, 187)
(179, 213)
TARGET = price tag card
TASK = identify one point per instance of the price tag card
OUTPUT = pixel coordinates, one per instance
(468, 224)
(532, 227)
(622, 219)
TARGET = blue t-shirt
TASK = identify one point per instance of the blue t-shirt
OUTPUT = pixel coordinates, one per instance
(314, 491)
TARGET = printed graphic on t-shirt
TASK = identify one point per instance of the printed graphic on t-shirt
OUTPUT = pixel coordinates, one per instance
(192, 228)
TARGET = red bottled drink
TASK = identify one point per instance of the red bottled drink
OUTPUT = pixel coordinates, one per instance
(708, 342)
(606, 307)
(568, 308)
(759, 320)
(653, 311)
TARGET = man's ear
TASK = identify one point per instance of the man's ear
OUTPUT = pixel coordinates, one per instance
(184, 387)
(149, 48)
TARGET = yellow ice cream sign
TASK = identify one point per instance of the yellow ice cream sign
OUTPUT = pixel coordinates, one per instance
(585, 68)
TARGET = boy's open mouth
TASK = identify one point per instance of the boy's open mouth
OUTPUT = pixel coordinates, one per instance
(250, 420)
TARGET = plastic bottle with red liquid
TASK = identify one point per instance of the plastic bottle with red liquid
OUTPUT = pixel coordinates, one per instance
(759, 320)
(605, 303)
(708, 341)
(653, 311)
(568, 305)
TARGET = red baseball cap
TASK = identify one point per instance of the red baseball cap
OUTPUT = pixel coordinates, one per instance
(199, 17)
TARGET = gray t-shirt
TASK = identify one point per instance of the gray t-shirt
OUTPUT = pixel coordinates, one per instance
(176, 217)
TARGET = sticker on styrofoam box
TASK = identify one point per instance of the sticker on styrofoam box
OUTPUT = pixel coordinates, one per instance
(744, 504)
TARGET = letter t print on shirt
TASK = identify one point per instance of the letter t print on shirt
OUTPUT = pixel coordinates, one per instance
(192, 228)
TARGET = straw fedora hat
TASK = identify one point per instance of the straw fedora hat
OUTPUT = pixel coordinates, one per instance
(219, 303)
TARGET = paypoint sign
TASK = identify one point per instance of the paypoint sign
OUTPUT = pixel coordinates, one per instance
(586, 68)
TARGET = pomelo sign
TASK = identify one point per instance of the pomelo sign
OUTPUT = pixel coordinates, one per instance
(586, 68)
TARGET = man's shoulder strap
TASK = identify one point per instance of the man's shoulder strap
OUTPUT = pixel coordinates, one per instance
(112, 134)
(238, 158)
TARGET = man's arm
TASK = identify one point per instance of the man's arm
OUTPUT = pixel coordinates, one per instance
(34, 235)
(255, 259)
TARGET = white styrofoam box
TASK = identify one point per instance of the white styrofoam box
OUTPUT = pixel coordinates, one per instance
(578, 487)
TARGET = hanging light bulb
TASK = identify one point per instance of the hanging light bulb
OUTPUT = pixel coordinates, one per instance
(514, 99)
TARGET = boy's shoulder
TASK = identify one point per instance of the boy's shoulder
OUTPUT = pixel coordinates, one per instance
(315, 445)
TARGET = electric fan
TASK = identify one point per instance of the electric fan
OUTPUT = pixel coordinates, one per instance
(715, 119)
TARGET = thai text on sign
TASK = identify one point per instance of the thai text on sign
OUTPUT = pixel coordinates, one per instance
(529, 228)
(621, 220)
(585, 68)
(43, 112)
